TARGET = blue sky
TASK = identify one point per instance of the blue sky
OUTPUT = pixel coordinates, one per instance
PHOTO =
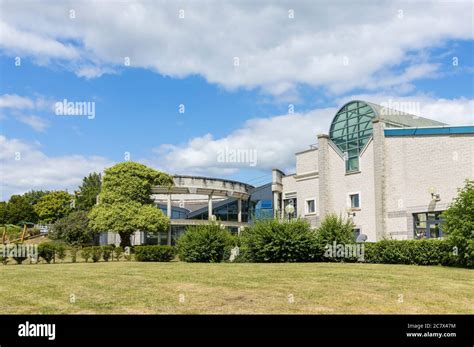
(191, 61)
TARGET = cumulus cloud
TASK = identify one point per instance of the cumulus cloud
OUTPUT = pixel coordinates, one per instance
(25, 167)
(273, 46)
(458, 111)
(276, 139)
(271, 141)
(18, 107)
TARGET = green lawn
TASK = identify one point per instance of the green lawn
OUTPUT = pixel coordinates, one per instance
(132, 287)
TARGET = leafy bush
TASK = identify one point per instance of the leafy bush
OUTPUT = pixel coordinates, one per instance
(60, 251)
(154, 253)
(73, 229)
(414, 252)
(96, 253)
(205, 244)
(86, 253)
(106, 252)
(74, 250)
(46, 251)
(271, 240)
(458, 224)
(118, 252)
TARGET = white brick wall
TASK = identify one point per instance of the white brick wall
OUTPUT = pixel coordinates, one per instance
(414, 164)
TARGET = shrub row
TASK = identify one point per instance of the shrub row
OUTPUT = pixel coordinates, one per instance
(295, 241)
(103, 252)
(411, 252)
(154, 253)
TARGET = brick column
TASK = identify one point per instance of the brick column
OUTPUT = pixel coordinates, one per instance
(323, 170)
(379, 178)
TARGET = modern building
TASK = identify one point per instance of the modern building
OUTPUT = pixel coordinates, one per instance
(234, 205)
(391, 172)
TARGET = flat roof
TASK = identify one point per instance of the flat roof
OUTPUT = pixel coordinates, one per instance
(441, 130)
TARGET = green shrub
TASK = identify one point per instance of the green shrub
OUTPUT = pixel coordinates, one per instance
(86, 253)
(458, 225)
(154, 253)
(73, 250)
(46, 251)
(205, 244)
(19, 259)
(96, 253)
(60, 250)
(243, 256)
(410, 252)
(270, 240)
(118, 252)
(106, 252)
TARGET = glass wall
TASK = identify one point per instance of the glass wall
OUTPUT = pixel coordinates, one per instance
(427, 225)
(350, 131)
(227, 212)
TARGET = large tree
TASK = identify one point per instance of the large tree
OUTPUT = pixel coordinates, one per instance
(33, 196)
(18, 210)
(54, 206)
(88, 191)
(125, 203)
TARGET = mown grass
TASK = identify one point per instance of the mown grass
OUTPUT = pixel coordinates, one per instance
(176, 287)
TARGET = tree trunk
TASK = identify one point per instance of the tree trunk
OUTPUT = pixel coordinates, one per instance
(125, 239)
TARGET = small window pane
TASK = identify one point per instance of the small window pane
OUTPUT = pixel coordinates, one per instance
(354, 200)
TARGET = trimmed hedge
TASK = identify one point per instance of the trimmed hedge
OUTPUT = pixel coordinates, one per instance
(154, 253)
(411, 252)
(274, 241)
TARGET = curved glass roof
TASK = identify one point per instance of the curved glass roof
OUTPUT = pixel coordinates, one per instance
(351, 128)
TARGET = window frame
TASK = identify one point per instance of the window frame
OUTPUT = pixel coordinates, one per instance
(349, 201)
(306, 210)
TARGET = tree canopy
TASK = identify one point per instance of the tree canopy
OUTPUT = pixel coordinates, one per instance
(53, 206)
(130, 181)
(17, 210)
(86, 196)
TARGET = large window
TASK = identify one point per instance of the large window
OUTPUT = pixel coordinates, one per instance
(350, 131)
(427, 225)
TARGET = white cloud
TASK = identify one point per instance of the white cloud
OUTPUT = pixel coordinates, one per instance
(18, 105)
(37, 123)
(276, 139)
(459, 111)
(14, 101)
(29, 42)
(340, 45)
(36, 170)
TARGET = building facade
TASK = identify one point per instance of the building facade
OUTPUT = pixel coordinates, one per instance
(392, 173)
(194, 200)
